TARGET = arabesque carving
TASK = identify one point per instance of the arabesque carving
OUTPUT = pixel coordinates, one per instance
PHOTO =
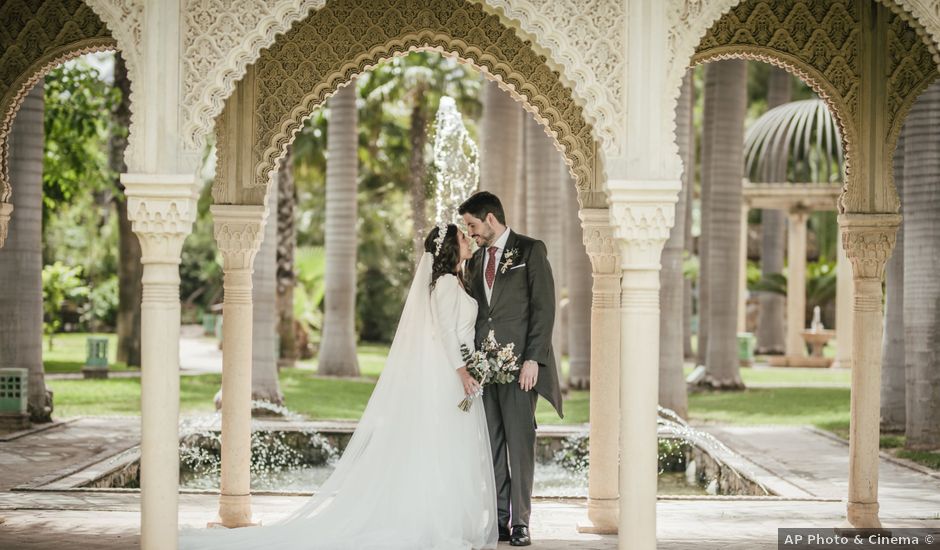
(34, 37)
(352, 36)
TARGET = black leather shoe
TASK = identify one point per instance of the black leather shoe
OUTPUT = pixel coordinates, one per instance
(504, 534)
(520, 536)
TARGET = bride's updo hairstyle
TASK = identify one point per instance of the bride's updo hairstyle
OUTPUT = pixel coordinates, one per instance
(445, 259)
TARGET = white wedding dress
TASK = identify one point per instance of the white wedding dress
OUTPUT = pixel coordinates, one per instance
(418, 472)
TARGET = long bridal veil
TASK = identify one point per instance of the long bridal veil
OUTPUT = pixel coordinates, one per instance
(417, 472)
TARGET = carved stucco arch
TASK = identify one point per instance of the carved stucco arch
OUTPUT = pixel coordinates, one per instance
(287, 84)
(818, 40)
(581, 39)
(36, 38)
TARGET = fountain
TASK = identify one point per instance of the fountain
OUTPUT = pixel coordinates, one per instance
(816, 337)
(456, 162)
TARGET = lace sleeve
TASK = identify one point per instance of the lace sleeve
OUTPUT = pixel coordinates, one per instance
(445, 299)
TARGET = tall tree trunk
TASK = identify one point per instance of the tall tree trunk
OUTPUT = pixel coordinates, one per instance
(672, 388)
(338, 349)
(264, 380)
(921, 265)
(726, 82)
(21, 257)
(708, 136)
(688, 307)
(771, 324)
(501, 148)
(130, 268)
(892, 350)
(418, 170)
(580, 281)
(543, 211)
(286, 247)
(521, 207)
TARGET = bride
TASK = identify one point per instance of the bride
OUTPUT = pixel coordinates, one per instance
(418, 471)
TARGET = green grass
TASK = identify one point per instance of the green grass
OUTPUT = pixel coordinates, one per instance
(304, 392)
(816, 406)
(68, 352)
(795, 376)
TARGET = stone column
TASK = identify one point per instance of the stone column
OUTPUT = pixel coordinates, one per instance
(238, 231)
(796, 281)
(742, 271)
(642, 217)
(603, 484)
(162, 208)
(868, 240)
(844, 297)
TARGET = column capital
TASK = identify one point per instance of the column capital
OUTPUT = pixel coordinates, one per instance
(868, 240)
(642, 213)
(600, 242)
(6, 209)
(162, 209)
(239, 230)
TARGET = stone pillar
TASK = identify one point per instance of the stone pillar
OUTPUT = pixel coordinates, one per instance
(21, 260)
(742, 271)
(162, 208)
(238, 231)
(868, 240)
(796, 281)
(642, 216)
(603, 485)
(844, 318)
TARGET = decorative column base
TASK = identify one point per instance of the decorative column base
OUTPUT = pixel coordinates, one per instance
(234, 513)
(603, 516)
(6, 210)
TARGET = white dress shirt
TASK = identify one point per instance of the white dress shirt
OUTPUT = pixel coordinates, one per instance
(500, 245)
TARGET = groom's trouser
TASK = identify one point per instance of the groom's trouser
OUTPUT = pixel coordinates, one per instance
(510, 416)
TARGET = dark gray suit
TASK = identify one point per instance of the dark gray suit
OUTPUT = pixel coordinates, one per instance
(521, 311)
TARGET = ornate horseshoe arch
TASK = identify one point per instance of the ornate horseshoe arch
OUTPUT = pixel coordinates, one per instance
(36, 38)
(345, 38)
(821, 41)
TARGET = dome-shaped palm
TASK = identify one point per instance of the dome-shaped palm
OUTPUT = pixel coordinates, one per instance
(800, 137)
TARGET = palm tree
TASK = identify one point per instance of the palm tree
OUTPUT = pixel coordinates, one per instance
(708, 136)
(771, 325)
(21, 257)
(672, 388)
(893, 391)
(264, 380)
(921, 263)
(338, 350)
(543, 211)
(286, 247)
(130, 268)
(501, 147)
(579, 282)
(726, 83)
(420, 79)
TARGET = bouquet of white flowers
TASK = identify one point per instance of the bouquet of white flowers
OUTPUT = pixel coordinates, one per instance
(491, 364)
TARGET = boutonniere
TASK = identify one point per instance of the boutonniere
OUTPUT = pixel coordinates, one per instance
(508, 258)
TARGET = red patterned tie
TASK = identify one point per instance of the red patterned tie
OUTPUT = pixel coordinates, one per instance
(491, 267)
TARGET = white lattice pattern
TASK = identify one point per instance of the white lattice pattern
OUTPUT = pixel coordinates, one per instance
(586, 38)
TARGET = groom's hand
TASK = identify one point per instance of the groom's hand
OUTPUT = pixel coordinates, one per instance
(529, 375)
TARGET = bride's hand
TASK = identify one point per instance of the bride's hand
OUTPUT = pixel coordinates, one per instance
(470, 385)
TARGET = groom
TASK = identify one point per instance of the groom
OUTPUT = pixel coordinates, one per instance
(511, 280)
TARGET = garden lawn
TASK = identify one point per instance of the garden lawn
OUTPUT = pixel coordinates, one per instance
(69, 351)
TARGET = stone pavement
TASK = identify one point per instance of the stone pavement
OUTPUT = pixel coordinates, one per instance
(808, 467)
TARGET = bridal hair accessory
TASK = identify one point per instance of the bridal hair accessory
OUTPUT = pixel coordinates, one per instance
(439, 240)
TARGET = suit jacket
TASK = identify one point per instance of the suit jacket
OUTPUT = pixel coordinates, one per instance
(522, 308)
